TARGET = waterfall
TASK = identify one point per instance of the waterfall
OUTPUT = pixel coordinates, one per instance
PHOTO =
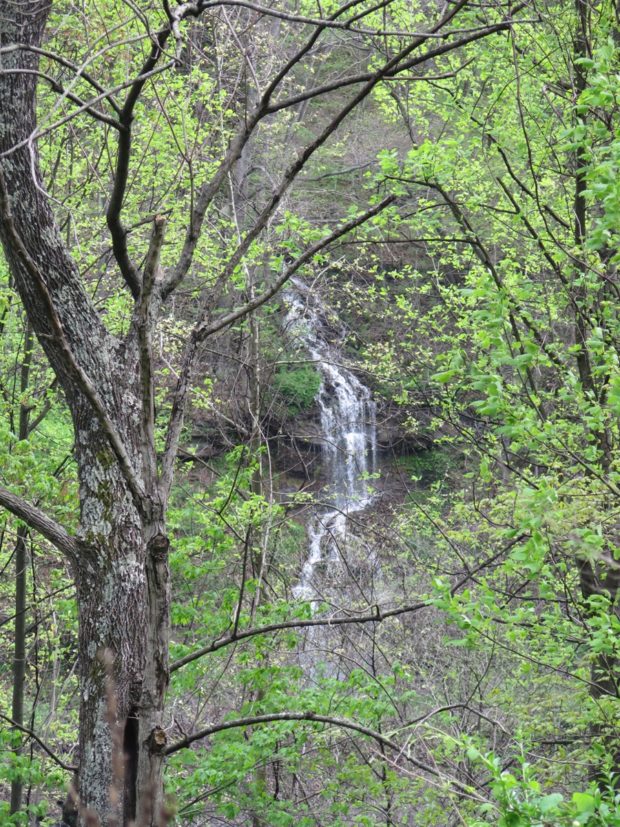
(349, 443)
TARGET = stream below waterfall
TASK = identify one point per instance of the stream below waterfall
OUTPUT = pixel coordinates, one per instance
(348, 445)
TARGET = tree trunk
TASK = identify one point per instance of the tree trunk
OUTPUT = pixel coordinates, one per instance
(111, 593)
(122, 586)
(121, 572)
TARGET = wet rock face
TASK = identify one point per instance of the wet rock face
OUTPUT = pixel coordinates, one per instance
(394, 439)
(306, 431)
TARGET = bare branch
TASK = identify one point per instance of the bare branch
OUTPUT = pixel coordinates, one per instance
(393, 66)
(312, 717)
(40, 133)
(377, 616)
(113, 214)
(145, 321)
(310, 21)
(58, 87)
(41, 743)
(79, 70)
(395, 70)
(41, 522)
(210, 188)
(204, 329)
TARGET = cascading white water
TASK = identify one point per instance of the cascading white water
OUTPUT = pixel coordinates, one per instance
(349, 444)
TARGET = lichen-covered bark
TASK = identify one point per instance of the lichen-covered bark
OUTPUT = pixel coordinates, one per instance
(121, 573)
(124, 609)
(112, 600)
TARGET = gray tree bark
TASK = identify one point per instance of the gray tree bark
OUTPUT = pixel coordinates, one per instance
(120, 557)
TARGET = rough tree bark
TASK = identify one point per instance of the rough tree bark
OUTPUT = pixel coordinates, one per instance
(119, 559)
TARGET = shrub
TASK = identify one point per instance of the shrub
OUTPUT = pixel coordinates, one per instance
(298, 387)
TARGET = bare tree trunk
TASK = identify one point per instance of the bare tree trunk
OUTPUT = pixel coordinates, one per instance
(121, 570)
(124, 604)
(111, 590)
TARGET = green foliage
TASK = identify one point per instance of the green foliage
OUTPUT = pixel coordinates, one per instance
(426, 467)
(519, 800)
(485, 309)
(509, 334)
(299, 386)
